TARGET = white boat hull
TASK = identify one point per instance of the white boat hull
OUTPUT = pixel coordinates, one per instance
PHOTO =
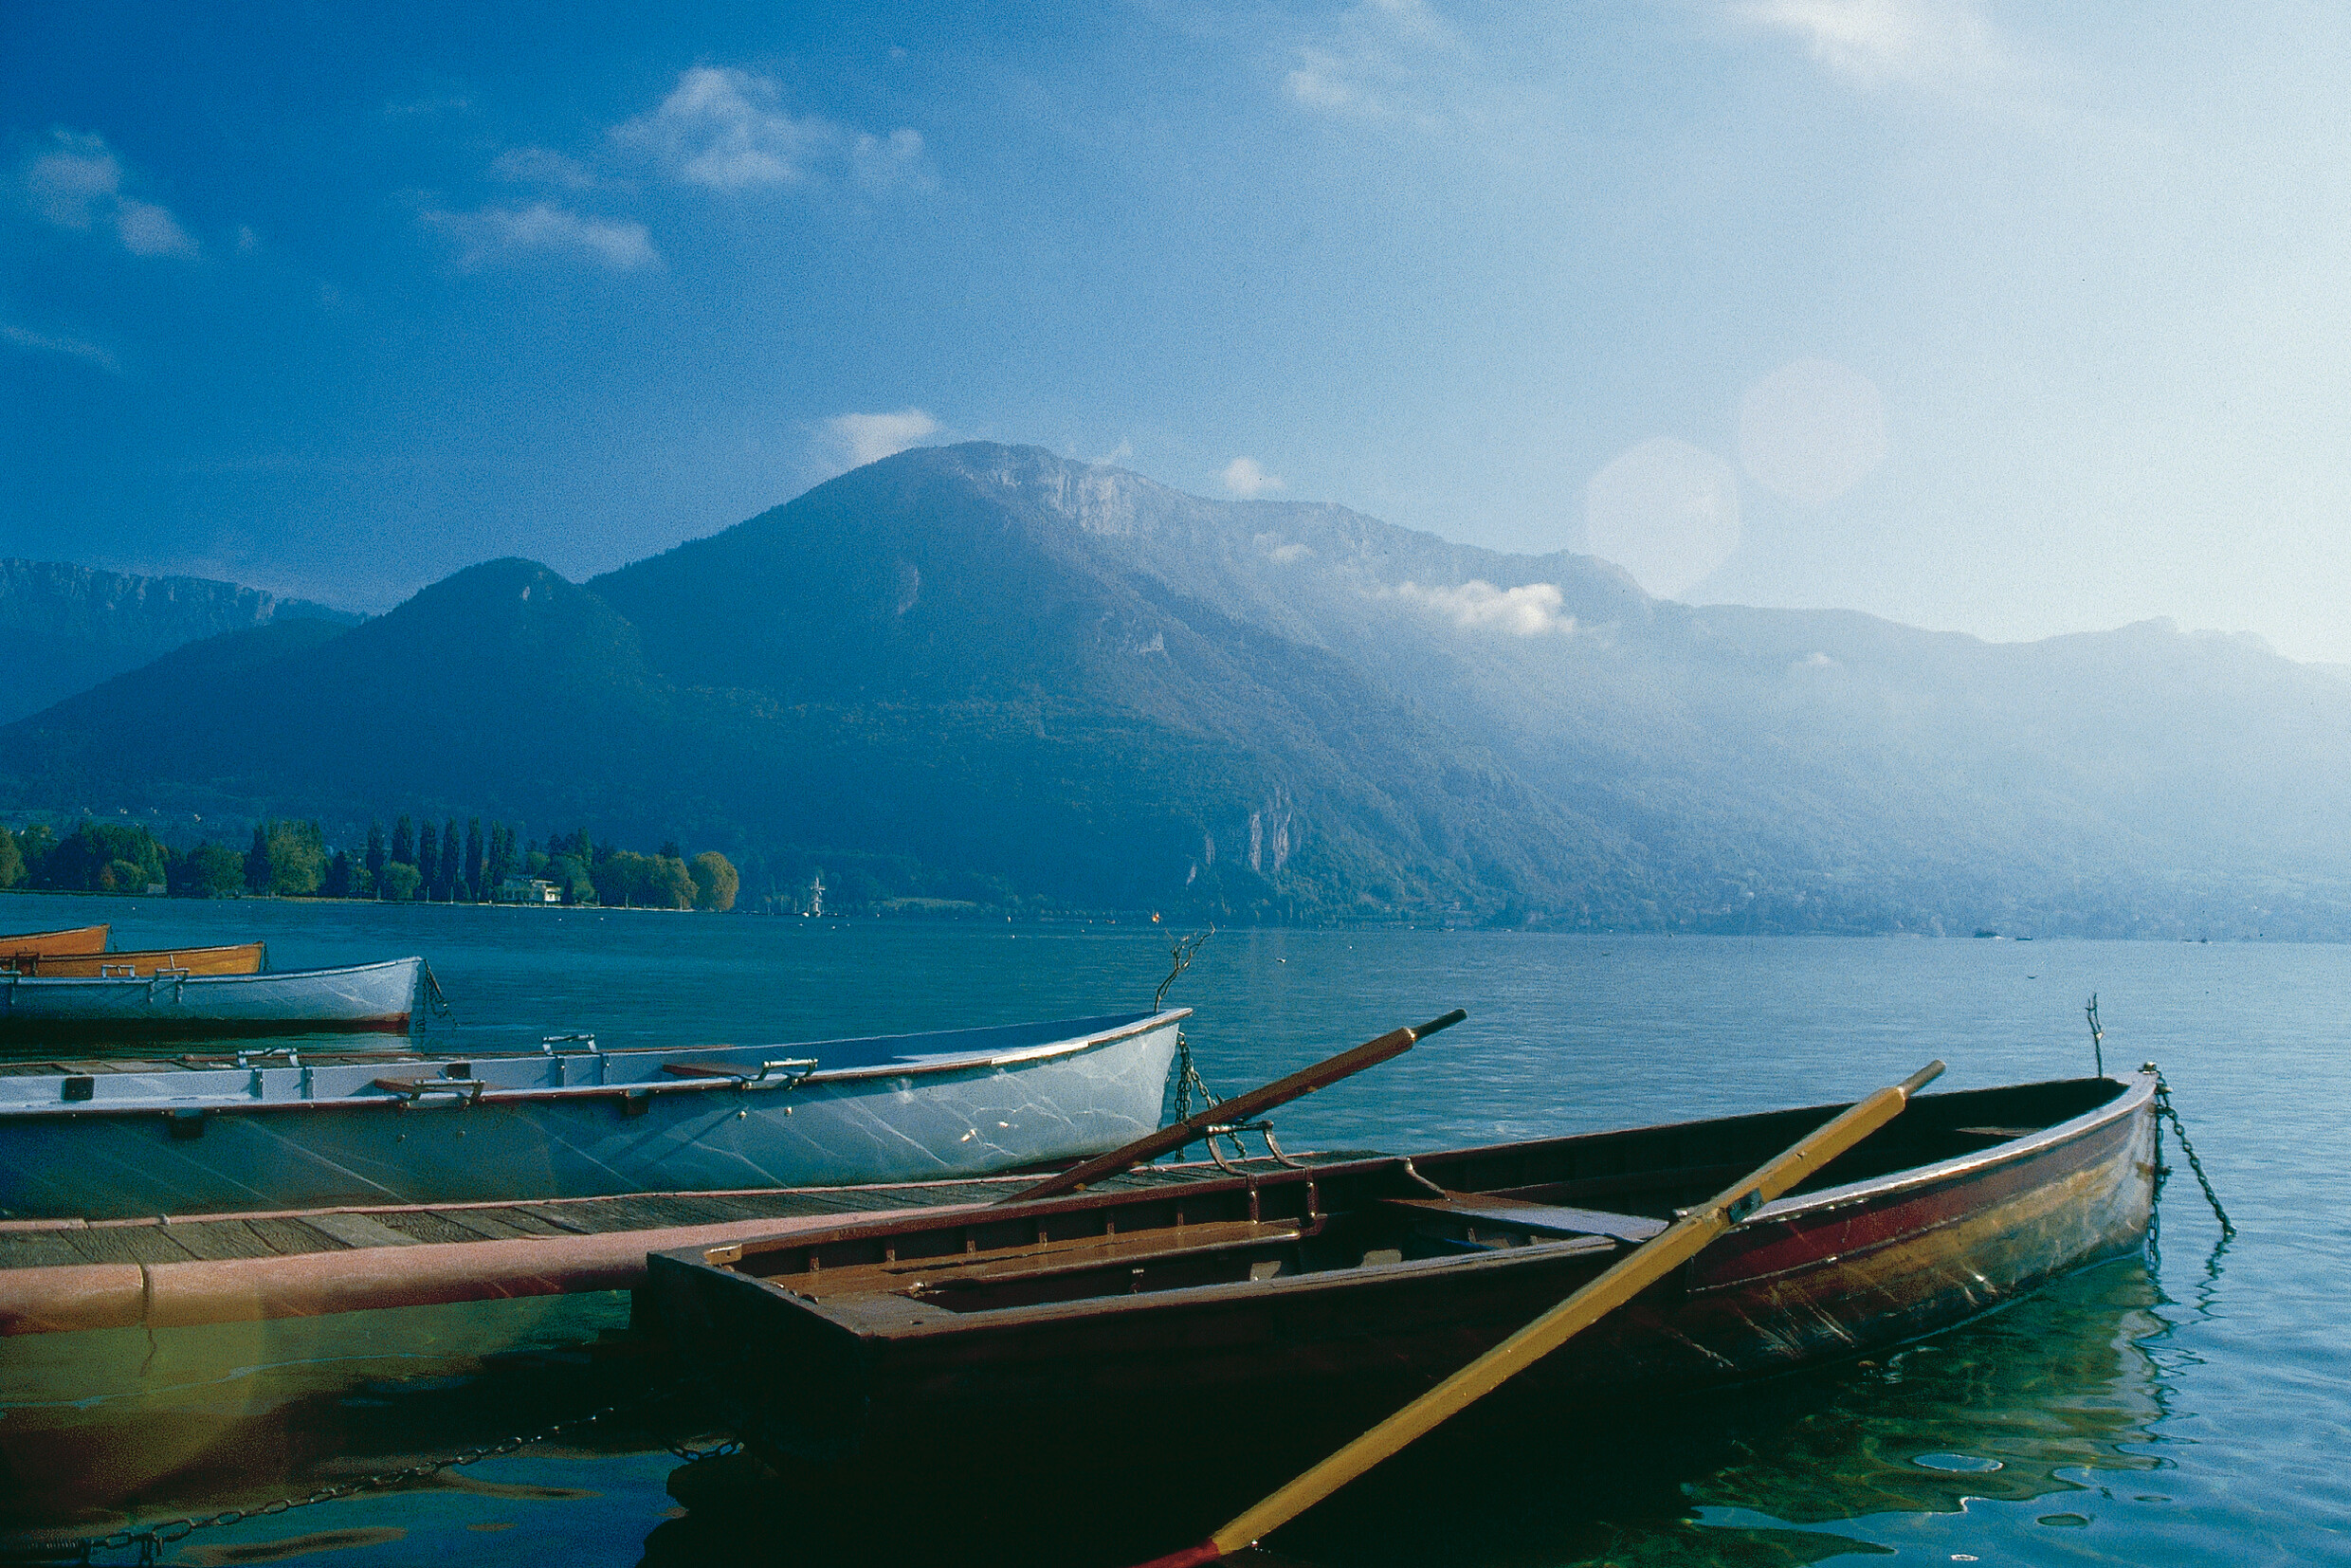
(905, 1108)
(364, 998)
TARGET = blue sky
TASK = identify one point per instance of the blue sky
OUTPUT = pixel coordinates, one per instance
(2011, 321)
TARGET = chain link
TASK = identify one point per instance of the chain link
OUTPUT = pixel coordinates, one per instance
(1188, 1079)
(2165, 1110)
(147, 1539)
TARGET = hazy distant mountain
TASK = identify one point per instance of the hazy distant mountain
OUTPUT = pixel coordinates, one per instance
(984, 671)
(64, 629)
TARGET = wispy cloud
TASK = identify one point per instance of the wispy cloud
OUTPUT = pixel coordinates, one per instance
(76, 182)
(727, 130)
(1939, 45)
(496, 234)
(73, 348)
(539, 166)
(1247, 478)
(1530, 610)
(1391, 61)
(857, 439)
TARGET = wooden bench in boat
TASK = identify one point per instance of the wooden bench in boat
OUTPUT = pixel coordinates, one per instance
(1467, 1211)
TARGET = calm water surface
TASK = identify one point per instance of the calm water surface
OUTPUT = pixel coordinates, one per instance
(2193, 1409)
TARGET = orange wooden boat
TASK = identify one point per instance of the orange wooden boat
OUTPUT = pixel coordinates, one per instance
(235, 958)
(45, 945)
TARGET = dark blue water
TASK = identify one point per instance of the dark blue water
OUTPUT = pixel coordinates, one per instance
(2192, 1410)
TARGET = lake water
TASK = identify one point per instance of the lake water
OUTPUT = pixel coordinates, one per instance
(2194, 1409)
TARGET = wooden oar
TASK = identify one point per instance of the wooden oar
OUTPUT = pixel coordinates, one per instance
(1652, 1260)
(1239, 1108)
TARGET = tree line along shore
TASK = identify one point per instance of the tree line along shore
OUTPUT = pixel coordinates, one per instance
(417, 863)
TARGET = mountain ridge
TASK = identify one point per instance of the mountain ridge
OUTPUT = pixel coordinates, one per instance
(1031, 679)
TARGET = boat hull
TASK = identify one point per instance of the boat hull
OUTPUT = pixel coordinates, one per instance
(234, 958)
(547, 1126)
(366, 999)
(842, 1392)
(55, 945)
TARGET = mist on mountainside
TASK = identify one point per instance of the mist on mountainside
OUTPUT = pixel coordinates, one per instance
(991, 674)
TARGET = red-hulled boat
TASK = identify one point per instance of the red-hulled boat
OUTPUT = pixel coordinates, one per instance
(1041, 1339)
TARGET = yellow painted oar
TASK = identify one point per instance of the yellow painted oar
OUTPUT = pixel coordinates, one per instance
(1649, 1262)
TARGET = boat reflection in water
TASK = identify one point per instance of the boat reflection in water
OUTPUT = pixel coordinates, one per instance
(1786, 1470)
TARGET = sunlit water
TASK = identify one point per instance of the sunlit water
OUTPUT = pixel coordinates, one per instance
(2197, 1411)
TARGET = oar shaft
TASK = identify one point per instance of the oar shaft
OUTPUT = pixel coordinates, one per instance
(1239, 1108)
(1648, 1263)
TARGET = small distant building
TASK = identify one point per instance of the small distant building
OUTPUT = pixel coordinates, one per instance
(528, 890)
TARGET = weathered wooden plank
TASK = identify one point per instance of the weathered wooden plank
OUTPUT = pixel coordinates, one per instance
(219, 1241)
(286, 1236)
(427, 1225)
(127, 1244)
(360, 1231)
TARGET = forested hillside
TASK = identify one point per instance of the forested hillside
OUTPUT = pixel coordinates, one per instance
(987, 674)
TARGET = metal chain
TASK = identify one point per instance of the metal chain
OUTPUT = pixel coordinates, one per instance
(1188, 1079)
(147, 1539)
(2164, 1110)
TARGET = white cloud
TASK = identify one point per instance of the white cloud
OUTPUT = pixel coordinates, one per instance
(1284, 554)
(1247, 478)
(1936, 44)
(862, 438)
(77, 184)
(726, 130)
(1530, 610)
(538, 166)
(72, 347)
(499, 234)
(1392, 61)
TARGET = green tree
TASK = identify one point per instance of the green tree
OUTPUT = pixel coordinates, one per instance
(83, 860)
(647, 882)
(11, 860)
(476, 889)
(293, 859)
(715, 881)
(401, 881)
(447, 885)
(210, 871)
(37, 844)
(375, 850)
(340, 875)
(428, 859)
(404, 842)
(570, 872)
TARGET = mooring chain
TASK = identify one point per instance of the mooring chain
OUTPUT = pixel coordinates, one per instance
(148, 1539)
(1188, 1079)
(2165, 1110)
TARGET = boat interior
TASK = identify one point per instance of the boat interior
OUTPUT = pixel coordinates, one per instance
(1593, 1193)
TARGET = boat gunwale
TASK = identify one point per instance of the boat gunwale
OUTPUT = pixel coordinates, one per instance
(458, 1094)
(2119, 1107)
(1891, 1186)
(132, 955)
(10, 978)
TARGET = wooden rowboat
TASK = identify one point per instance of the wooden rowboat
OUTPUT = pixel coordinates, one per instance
(44, 1010)
(1314, 1301)
(235, 958)
(58, 944)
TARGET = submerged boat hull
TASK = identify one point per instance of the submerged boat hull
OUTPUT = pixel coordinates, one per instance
(163, 1138)
(361, 999)
(837, 1380)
